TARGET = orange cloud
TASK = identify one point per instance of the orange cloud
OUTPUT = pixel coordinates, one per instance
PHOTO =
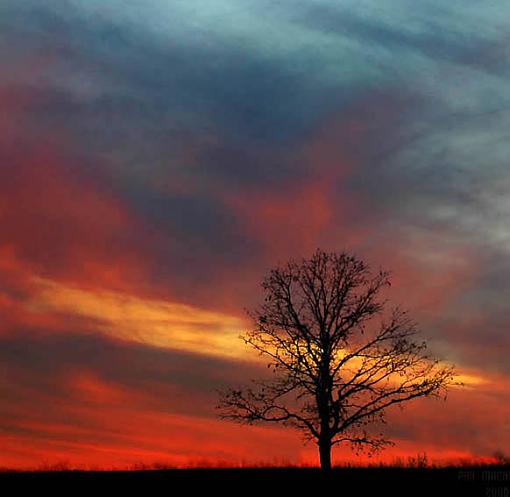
(152, 322)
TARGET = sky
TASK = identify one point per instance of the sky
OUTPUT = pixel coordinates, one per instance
(157, 158)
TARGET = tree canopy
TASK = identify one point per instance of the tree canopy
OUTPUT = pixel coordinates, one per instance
(339, 354)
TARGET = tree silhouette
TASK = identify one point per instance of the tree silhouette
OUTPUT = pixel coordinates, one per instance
(339, 358)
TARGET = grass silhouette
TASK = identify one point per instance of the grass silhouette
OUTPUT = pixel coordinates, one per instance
(416, 475)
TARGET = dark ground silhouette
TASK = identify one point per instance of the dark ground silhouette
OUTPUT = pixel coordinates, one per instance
(491, 481)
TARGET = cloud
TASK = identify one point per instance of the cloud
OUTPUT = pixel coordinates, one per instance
(96, 401)
(157, 159)
(157, 323)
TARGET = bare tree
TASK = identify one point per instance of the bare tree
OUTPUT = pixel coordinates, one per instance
(339, 359)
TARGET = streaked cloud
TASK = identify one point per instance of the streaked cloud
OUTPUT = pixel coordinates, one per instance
(151, 322)
(156, 158)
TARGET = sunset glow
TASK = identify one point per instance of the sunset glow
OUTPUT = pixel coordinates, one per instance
(158, 158)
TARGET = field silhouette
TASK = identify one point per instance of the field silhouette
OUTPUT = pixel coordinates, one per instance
(473, 480)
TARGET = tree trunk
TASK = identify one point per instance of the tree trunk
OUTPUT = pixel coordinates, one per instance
(325, 455)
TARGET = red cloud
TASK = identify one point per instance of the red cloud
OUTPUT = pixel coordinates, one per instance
(59, 216)
(60, 219)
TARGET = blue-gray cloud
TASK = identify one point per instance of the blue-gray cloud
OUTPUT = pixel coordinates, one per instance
(176, 102)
